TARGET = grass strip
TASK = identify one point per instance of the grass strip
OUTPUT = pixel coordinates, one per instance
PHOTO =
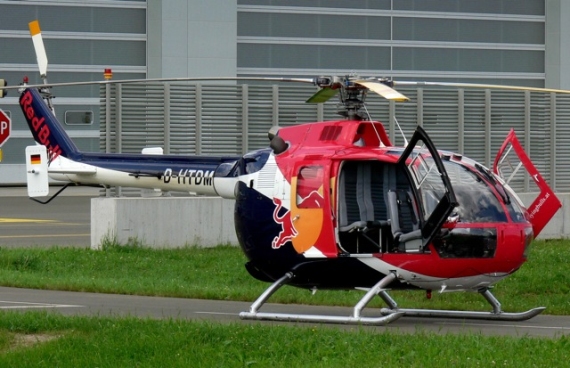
(36, 339)
(218, 273)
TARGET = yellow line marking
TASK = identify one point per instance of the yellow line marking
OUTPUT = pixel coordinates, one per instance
(11, 220)
(42, 236)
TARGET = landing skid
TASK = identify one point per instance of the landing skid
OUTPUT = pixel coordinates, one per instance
(356, 317)
(389, 314)
(496, 314)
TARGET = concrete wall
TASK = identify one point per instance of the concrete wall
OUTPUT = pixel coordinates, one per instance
(557, 44)
(163, 222)
(191, 38)
(207, 222)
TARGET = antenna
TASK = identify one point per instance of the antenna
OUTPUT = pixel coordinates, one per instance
(401, 131)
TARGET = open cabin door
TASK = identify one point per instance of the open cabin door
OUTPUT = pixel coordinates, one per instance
(508, 162)
(432, 189)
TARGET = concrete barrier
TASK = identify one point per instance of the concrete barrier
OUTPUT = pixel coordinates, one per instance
(163, 222)
(206, 221)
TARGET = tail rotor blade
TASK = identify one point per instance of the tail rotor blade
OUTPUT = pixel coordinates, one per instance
(39, 47)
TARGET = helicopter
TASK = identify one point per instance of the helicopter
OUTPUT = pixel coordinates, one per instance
(334, 204)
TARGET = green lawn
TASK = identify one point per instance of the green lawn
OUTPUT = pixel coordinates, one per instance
(218, 273)
(47, 340)
(42, 339)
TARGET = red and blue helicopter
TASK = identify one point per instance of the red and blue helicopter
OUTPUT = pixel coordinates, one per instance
(335, 205)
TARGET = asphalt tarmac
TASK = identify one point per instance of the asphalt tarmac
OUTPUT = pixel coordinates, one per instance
(90, 304)
(66, 222)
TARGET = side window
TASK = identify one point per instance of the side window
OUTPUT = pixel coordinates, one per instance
(431, 180)
(309, 182)
(77, 117)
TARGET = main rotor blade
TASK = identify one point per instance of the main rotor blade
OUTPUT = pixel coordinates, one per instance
(481, 86)
(383, 90)
(41, 55)
(161, 80)
(322, 95)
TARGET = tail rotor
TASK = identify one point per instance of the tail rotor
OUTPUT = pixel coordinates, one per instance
(41, 57)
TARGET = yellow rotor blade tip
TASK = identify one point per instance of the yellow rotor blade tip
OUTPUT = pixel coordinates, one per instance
(34, 27)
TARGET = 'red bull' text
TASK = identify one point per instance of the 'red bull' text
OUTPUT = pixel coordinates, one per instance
(39, 128)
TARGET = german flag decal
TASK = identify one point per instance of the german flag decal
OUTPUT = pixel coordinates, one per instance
(35, 159)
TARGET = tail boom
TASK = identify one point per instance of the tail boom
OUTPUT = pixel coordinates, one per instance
(195, 174)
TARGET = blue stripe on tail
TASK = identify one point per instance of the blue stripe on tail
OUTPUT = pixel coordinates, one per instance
(45, 128)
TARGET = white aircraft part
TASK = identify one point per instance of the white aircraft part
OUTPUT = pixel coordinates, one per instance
(280, 188)
(225, 187)
(37, 171)
(63, 165)
(470, 283)
(152, 151)
(68, 170)
(146, 192)
(313, 252)
(41, 54)
(119, 178)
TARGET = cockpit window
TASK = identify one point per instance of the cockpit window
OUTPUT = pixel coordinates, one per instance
(476, 200)
(309, 182)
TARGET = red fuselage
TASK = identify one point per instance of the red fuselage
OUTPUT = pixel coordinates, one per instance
(335, 194)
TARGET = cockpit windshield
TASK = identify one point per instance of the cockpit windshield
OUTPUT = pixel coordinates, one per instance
(476, 200)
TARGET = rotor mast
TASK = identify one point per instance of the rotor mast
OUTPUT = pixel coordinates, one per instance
(352, 92)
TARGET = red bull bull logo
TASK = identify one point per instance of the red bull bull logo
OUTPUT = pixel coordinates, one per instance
(288, 231)
(307, 231)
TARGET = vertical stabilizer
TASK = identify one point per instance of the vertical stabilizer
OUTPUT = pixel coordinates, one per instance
(45, 128)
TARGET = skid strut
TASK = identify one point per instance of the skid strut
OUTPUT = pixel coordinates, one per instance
(496, 314)
(356, 317)
(389, 314)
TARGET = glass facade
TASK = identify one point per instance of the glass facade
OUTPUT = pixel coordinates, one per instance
(81, 40)
(483, 41)
(405, 39)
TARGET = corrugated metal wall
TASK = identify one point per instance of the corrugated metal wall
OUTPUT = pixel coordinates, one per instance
(214, 119)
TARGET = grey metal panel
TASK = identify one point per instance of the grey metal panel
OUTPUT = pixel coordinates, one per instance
(447, 59)
(440, 117)
(89, 52)
(74, 18)
(468, 30)
(260, 115)
(221, 120)
(562, 143)
(182, 119)
(468, 121)
(313, 25)
(353, 4)
(531, 7)
(290, 56)
(474, 40)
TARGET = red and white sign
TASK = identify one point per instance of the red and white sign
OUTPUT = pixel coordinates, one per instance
(5, 127)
